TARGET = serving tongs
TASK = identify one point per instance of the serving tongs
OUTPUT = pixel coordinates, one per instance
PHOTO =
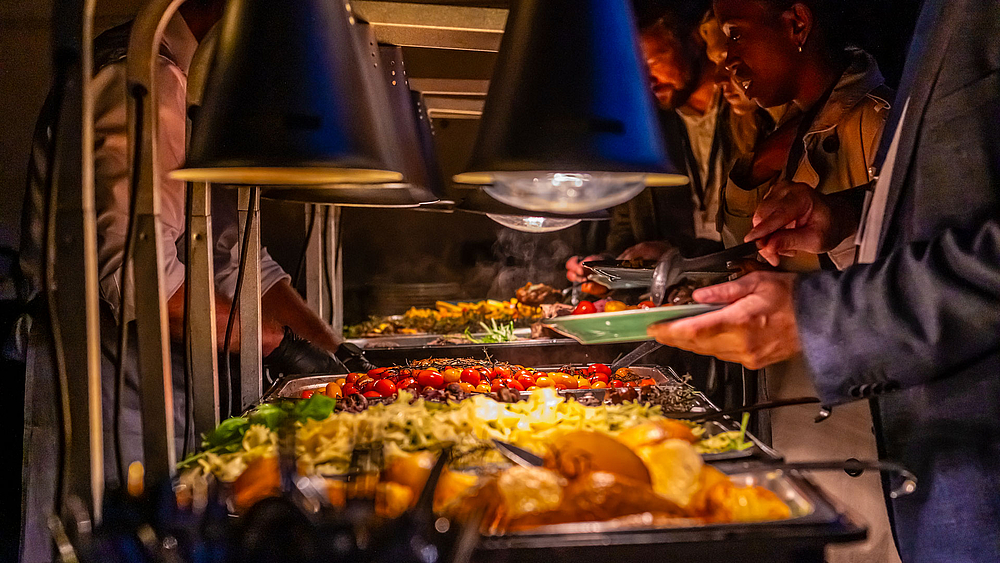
(853, 467)
(672, 267)
(766, 405)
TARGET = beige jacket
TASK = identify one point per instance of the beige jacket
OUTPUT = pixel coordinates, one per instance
(839, 149)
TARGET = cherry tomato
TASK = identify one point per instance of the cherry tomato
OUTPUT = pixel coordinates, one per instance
(602, 377)
(522, 373)
(406, 383)
(334, 391)
(514, 384)
(584, 308)
(483, 387)
(582, 383)
(352, 377)
(560, 387)
(369, 385)
(349, 389)
(501, 371)
(385, 387)
(599, 385)
(570, 382)
(378, 373)
(362, 381)
(593, 369)
(471, 376)
(560, 378)
(497, 385)
(525, 380)
(308, 393)
(430, 378)
(372, 394)
(617, 384)
(467, 387)
(647, 382)
(452, 375)
(647, 304)
(544, 381)
(614, 306)
(531, 387)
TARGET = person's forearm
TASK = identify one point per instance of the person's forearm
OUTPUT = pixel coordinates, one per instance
(284, 306)
(271, 331)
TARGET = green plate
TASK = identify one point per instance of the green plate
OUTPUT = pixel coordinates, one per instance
(621, 326)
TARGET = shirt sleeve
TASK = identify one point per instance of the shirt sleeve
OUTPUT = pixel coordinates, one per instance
(226, 253)
(112, 171)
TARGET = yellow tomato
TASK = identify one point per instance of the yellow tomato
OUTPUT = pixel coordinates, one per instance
(582, 383)
(467, 387)
(599, 385)
(334, 391)
(452, 375)
(483, 387)
(614, 306)
(544, 382)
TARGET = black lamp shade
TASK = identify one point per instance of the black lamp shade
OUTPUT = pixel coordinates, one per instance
(570, 93)
(287, 101)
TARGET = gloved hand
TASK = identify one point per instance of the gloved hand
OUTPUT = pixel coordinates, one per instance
(296, 355)
(354, 358)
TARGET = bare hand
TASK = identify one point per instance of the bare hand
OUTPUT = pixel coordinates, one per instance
(757, 329)
(649, 250)
(575, 271)
(794, 217)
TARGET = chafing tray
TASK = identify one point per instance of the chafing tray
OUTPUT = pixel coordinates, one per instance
(815, 521)
(292, 388)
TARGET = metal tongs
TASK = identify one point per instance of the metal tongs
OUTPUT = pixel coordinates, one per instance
(672, 267)
(853, 467)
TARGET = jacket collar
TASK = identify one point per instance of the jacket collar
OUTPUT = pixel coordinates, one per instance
(179, 42)
(858, 80)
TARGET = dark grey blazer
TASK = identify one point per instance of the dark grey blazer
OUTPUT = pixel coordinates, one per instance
(919, 330)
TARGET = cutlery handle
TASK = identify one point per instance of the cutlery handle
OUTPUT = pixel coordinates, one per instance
(719, 259)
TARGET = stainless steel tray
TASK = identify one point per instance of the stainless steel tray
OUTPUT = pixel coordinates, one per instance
(292, 388)
(814, 521)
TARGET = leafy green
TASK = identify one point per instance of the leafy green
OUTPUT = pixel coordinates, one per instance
(271, 415)
(317, 407)
(228, 432)
(504, 332)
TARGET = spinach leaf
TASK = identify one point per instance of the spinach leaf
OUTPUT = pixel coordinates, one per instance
(230, 431)
(317, 407)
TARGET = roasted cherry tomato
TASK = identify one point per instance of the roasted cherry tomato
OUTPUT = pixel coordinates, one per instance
(593, 288)
(560, 387)
(406, 383)
(308, 393)
(334, 391)
(500, 371)
(614, 306)
(599, 385)
(593, 369)
(352, 377)
(514, 384)
(483, 387)
(452, 375)
(544, 381)
(497, 385)
(525, 380)
(385, 387)
(646, 382)
(467, 387)
(372, 394)
(617, 384)
(378, 373)
(471, 376)
(582, 383)
(647, 304)
(602, 377)
(368, 385)
(584, 308)
(349, 389)
(429, 378)
(522, 373)
(531, 388)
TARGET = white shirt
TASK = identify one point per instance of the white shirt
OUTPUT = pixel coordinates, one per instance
(701, 134)
(870, 229)
(112, 169)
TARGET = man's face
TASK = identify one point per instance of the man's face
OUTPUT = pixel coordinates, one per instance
(760, 51)
(715, 47)
(673, 67)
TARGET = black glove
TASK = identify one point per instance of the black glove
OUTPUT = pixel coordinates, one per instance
(354, 358)
(296, 356)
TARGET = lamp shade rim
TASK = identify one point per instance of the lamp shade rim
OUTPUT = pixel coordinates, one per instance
(651, 179)
(286, 175)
